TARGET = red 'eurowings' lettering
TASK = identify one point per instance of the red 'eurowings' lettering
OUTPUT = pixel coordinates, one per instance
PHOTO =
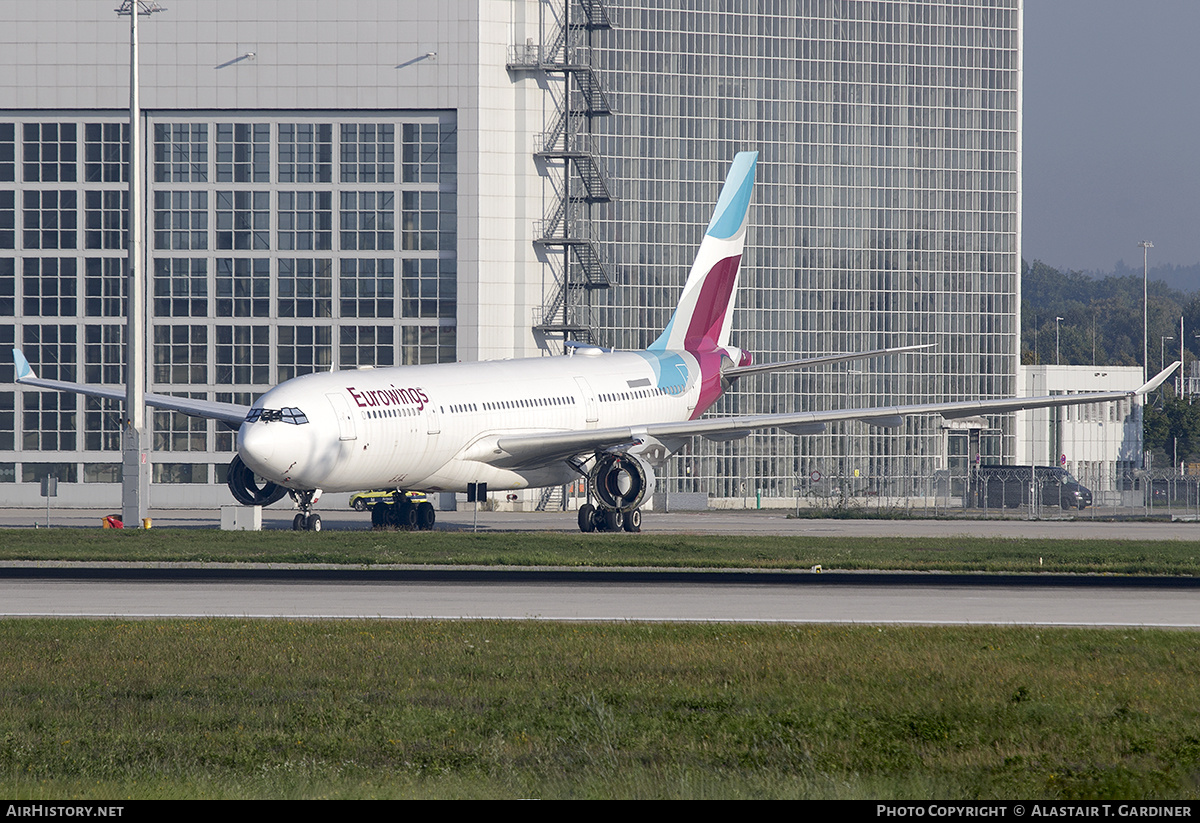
(369, 398)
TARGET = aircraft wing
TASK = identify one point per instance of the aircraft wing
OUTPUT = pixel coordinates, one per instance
(229, 413)
(514, 451)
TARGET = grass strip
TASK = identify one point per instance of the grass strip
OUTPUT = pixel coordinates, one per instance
(1168, 557)
(290, 709)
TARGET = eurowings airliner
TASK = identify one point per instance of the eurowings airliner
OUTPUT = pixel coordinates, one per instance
(611, 417)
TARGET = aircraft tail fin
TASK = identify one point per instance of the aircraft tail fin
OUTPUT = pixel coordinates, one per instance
(702, 319)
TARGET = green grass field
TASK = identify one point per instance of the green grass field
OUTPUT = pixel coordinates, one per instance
(347, 709)
(230, 708)
(573, 549)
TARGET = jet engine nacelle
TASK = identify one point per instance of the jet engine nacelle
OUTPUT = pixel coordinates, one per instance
(621, 480)
(246, 491)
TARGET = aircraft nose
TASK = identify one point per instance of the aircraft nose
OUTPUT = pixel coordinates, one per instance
(282, 452)
(258, 445)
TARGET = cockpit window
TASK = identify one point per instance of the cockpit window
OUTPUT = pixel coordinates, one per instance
(288, 415)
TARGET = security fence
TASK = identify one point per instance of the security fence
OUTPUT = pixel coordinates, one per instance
(1011, 491)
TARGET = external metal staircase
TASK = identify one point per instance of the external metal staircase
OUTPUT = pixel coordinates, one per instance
(568, 147)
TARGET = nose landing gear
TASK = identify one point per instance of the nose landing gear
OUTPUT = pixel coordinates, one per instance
(307, 520)
(306, 523)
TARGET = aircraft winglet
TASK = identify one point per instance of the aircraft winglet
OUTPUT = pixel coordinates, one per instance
(1157, 380)
(23, 368)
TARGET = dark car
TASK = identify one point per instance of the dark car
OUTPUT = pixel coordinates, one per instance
(1008, 487)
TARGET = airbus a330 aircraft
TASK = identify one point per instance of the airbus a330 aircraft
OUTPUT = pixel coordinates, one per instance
(514, 424)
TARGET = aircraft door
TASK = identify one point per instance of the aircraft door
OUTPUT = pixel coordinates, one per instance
(345, 417)
(589, 402)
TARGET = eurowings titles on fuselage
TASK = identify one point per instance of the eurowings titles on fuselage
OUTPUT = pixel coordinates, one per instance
(391, 396)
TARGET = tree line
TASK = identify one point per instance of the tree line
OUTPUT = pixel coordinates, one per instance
(1102, 318)
(1102, 325)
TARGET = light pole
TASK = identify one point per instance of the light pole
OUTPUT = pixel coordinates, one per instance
(1057, 320)
(1180, 392)
(135, 439)
(1146, 246)
(1093, 337)
(1162, 352)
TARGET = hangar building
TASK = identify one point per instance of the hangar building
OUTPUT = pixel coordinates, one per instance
(369, 183)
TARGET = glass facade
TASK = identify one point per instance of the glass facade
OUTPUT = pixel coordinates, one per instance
(263, 233)
(885, 214)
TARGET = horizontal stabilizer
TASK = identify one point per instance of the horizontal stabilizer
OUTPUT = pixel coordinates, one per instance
(823, 360)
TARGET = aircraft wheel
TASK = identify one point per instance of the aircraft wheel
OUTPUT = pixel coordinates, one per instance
(633, 521)
(613, 520)
(587, 515)
(381, 515)
(404, 516)
(313, 523)
(425, 516)
(360, 505)
(298, 523)
(1082, 505)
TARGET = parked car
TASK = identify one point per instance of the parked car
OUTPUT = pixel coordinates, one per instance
(1008, 487)
(361, 501)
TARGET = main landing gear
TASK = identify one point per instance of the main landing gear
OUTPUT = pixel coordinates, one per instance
(403, 513)
(307, 520)
(619, 482)
(592, 519)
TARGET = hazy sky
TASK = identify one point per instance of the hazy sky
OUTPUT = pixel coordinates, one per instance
(1111, 132)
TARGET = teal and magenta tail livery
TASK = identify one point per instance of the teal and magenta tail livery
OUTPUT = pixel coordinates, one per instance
(702, 319)
(701, 323)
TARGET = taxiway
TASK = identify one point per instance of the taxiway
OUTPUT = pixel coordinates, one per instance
(181, 590)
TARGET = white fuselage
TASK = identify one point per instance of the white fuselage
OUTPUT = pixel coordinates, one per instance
(429, 427)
